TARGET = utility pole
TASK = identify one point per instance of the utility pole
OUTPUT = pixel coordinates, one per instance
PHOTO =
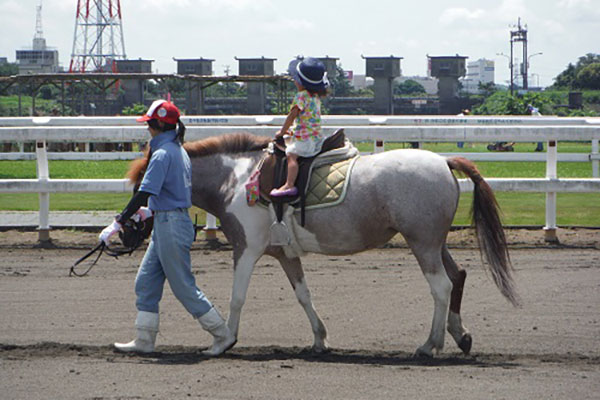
(98, 38)
(519, 35)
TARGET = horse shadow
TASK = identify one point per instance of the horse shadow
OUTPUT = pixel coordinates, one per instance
(178, 355)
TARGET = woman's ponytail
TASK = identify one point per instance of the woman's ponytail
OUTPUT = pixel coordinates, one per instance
(180, 131)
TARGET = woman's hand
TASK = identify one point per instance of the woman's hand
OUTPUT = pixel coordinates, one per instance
(142, 214)
(109, 231)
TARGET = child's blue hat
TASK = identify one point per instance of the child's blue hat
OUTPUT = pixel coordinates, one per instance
(310, 73)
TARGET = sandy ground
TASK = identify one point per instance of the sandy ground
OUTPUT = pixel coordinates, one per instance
(56, 331)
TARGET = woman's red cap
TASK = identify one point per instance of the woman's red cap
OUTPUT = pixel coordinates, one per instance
(161, 110)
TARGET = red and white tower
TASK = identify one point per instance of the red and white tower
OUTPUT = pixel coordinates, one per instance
(98, 39)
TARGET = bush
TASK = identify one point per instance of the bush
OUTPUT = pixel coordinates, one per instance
(136, 109)
(503, 103)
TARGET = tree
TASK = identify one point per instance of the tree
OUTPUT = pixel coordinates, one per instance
(487, 89)
(589, 58)
(408, 87)
(567, 79)
(9, 69)
(341, 86)
(588, 77)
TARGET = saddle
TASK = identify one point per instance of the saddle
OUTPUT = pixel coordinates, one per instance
(273, 173)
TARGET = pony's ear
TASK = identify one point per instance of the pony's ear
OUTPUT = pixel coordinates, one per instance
(137, 169)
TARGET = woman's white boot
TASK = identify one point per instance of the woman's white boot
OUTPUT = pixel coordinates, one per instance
(146, 325)
(216, 326)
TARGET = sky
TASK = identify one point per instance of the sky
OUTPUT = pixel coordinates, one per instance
(160, 30)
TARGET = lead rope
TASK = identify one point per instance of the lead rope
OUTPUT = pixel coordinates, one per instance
(102, 248)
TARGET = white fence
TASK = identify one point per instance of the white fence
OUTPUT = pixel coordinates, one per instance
(358, 128)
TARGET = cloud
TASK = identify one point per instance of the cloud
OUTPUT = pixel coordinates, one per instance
(205, 6)
(406, 43)
(452, 15)
(511, 9)
(574, 3)
(585, 11)
(287, 24)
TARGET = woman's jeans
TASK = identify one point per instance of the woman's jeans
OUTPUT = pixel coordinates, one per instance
(168, 256)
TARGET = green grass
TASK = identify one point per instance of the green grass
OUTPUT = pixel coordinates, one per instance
(518, 208)
(9, 105)
(469, 147)
(65, 169)
(573, 209)
(65, 201)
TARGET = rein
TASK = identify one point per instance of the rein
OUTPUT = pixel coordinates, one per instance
(132, 236)
(100, 248)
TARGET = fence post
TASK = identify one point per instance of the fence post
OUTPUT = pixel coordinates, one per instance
(44, 197)
(551, 161)
(379, 146)
(595, 162)
(210, 230)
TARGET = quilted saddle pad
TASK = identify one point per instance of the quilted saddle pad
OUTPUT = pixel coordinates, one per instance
(328, 184)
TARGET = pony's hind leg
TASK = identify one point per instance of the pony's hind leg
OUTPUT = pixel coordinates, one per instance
(295, 273)
(429, 258)
(457, 275)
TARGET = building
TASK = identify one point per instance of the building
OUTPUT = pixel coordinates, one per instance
(194, 99)
(478, 72)
(194, 66)
(358, 81)
(39, 59)
(134, 88)
(448, 70)
(257, 92)
(383, 70)
(134, 66)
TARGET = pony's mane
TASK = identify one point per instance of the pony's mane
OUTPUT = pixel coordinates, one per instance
(240, 142)
(229, 143)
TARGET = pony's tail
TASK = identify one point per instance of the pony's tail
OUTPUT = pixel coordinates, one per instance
(137, 168)
(485, 218)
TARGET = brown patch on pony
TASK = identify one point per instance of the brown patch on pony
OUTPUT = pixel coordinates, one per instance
(485, 217)
(240, 142)
(458, 276)
(230, 143)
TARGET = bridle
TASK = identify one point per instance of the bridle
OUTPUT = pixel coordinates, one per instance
(132, 236)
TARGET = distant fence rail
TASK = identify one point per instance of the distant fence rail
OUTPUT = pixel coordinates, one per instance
(43, 130)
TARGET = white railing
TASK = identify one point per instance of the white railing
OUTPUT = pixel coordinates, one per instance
(359, 128)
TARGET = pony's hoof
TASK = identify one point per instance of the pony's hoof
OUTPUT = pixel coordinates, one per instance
(465, 343)
(320, 349)
(423, 353)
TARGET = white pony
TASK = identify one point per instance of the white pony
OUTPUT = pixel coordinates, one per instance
(412, 192)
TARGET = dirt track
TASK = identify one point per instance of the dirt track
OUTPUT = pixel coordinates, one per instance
(56, 331)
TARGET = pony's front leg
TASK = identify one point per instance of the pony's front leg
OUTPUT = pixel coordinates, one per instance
(295, 273)
(243, 267)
